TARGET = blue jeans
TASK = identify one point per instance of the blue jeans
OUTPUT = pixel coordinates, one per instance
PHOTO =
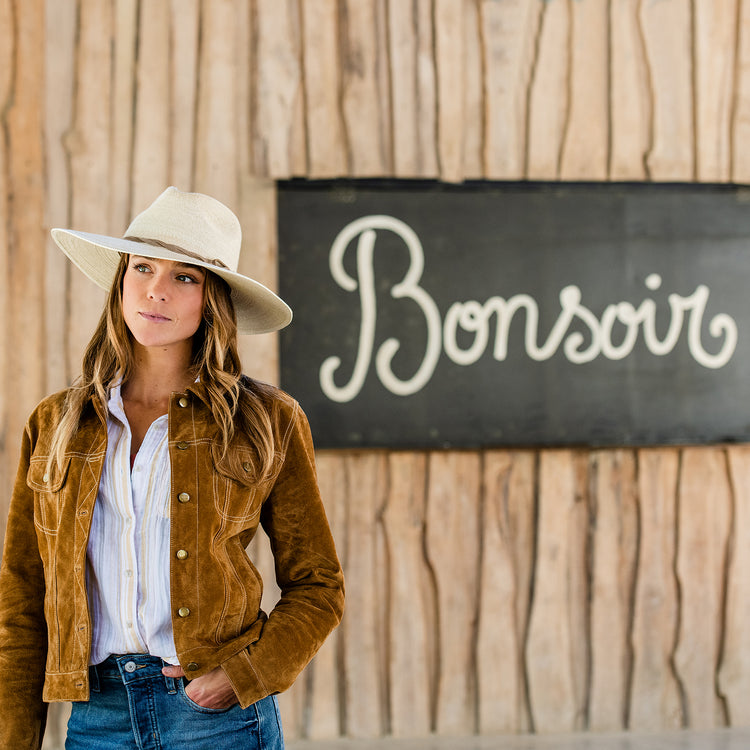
(133, 705)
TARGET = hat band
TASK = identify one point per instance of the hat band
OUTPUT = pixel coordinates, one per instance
(180, 251)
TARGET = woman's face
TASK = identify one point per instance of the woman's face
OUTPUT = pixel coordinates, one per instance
(162, 301)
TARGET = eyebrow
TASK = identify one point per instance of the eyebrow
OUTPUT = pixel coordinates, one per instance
(178, 264)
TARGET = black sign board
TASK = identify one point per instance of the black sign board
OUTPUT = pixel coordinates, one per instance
(496, 314)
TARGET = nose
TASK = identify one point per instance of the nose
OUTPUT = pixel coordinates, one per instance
(157, 289)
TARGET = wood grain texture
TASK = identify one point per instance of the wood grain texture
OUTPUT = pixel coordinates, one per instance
(363, 628)
(614, 522)
(734, 670)
(550, 644)
(366, 113)
(666, 29)
(402, 55)
(61, 33)
(7, 438)
(426, 90)
(22, 125)
(278, 88)
(150, 136)
(410, 605)
(655, 697)
(740, 123)
(704, 511)
(507, 544)
(548, 96)
(323, 709)
(88, 145)
(326, 147)
(585, 148)
(714, 52)
(508, 34)
(630, 94)
(453, 554)
(127, 103)
(184, 37)
(474, 121)
(448, 22)
(216, 138)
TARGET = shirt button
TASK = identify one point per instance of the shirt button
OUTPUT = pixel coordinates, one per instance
(192, 667)
(183, 497)
(182, 446)
(128, 574)
(183, 611)
(182, 554)
(183, 402)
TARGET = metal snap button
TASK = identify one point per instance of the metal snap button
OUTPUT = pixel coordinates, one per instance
(130, 667)
(183, 497)
(182, 446)
(192, 667)
(182, 554)
(183, 611)
(183, 402)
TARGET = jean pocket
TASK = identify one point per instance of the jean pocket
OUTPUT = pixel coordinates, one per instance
(193, 706)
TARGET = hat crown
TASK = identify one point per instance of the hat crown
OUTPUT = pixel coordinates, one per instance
(194, 222)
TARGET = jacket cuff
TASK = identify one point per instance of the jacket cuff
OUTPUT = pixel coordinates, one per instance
(246, 682)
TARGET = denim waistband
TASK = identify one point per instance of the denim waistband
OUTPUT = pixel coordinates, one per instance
(129, 668)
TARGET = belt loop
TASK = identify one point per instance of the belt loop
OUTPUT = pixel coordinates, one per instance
(171, 685)
(94, 679)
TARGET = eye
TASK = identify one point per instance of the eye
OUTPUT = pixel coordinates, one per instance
(187, 278)
(141, 267)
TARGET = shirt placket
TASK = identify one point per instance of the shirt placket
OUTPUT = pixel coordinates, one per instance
(129, 552)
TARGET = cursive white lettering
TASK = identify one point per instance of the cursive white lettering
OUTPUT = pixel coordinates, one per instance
(471, 321)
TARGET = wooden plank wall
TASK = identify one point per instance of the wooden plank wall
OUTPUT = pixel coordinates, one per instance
(492, 591)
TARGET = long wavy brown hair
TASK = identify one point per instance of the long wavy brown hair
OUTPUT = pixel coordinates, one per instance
(238, 404)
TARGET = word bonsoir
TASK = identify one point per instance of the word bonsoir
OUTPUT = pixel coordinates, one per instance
(477, 319)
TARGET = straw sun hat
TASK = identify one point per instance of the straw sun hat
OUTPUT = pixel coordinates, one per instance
(189, 228)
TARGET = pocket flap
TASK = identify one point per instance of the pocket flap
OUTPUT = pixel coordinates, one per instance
(38, 479)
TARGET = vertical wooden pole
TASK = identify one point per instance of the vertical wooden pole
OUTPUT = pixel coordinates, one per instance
(549, 93)
(703, 531)
(615, 545)
(410, 604)
(453, 515)
(655, 699)
(507, 543)
(550, 646)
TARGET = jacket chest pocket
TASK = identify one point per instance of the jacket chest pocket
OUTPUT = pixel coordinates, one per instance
(238, 499)
(48, 492)
(235, 502)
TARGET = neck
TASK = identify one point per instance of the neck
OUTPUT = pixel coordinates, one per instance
(157, 374)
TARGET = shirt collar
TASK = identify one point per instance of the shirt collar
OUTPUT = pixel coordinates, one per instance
(114, 403)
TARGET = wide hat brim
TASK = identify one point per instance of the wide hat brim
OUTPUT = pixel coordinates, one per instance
(258, 309)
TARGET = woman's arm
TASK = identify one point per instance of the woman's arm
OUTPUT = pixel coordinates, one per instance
(23, 631)
(307, 571)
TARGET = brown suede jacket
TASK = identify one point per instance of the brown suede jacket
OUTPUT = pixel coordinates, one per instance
(45, 623)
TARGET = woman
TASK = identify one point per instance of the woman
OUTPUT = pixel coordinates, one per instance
(125, 586)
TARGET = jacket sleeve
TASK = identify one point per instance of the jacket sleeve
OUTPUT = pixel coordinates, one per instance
(23, 631)
(308, 573)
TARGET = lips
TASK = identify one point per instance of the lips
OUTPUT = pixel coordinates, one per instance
(153, 317)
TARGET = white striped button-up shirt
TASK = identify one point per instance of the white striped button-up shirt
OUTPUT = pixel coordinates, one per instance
(128, 551)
